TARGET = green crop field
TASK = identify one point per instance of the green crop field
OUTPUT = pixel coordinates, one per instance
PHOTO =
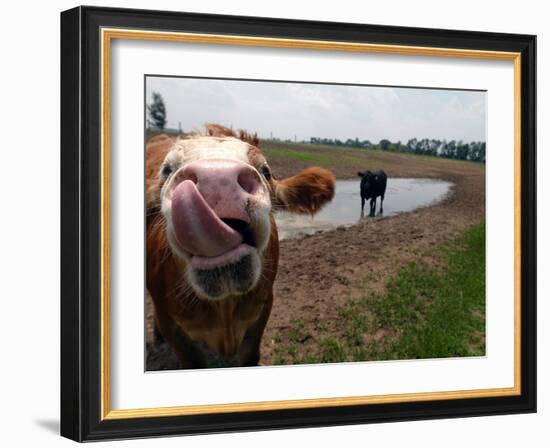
(424, 312)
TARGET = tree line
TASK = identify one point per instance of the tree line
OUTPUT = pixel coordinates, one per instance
(452, 149)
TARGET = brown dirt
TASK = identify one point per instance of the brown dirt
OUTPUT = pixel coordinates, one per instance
(321, 272)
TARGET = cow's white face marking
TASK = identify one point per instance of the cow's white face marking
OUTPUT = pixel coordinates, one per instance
(189, 150)
(240, 270)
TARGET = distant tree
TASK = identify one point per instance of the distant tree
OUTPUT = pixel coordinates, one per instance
(449, 150)
(157, 111)
(434, 147)
(482, 151)
(477, 151)
(421, 146)
(411, 145)
(384, 144)
(462, 150)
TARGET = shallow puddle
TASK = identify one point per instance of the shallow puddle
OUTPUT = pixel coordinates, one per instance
(402, 195)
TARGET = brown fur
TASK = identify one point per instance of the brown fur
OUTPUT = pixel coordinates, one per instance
(155, 153)
(217, 130)
(184, 319)
(306, 192)
(231, 328)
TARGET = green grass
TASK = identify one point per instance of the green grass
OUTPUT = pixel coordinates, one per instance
(335, 157)
(289, 151)
(283, 153)
(424, 312)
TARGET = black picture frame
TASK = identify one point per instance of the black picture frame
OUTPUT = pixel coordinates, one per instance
(81, 223)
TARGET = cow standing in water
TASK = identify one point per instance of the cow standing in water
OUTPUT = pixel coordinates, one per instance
(212, 243)
(373, 184)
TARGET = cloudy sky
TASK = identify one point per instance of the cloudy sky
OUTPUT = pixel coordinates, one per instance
(286, 110)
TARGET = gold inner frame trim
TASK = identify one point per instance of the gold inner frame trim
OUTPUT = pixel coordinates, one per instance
(107, 35)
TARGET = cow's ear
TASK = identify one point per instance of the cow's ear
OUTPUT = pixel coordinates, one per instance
(360, 174)
(306, 193)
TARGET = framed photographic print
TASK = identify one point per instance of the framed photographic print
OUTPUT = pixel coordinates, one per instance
(272, 223)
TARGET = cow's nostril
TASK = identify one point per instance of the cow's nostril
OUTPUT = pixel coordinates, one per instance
(187, 174)
(248, 180)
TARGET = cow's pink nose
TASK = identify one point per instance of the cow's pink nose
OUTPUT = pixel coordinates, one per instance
(225, 185)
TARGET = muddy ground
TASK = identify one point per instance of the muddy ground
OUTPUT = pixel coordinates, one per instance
(319, 273)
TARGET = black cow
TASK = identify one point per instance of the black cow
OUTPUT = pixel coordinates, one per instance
(373, 184)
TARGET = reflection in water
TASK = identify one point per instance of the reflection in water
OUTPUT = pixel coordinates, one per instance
(402, 195)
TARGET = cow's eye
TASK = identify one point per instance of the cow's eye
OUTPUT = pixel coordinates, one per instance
(266, 172)
(166, 170)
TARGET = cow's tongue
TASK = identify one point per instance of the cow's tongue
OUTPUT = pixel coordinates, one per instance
(198, 229)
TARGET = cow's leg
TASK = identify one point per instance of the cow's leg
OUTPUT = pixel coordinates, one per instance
(182, 346)
(362, 204)
(159, 338)
(381, 204)
(249, 351)
(189, 353)
(372, 206)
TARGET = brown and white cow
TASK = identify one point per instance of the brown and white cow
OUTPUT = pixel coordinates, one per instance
(212, 243)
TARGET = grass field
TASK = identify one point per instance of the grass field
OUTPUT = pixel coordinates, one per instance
(344, 161)
(426, 311)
